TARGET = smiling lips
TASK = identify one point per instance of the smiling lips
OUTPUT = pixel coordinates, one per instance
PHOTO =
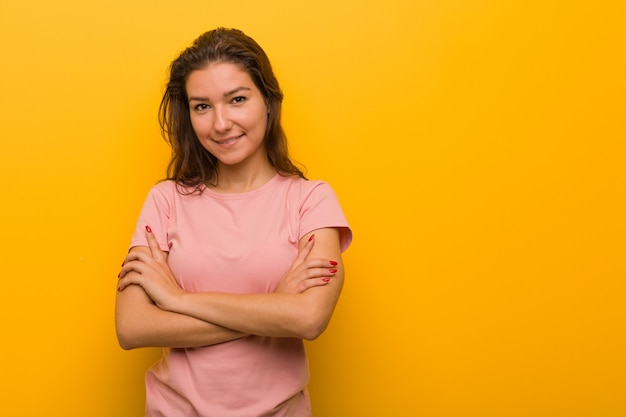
(228, 141)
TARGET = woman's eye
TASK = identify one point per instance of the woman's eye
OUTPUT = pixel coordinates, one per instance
(201, 107)
(239, 99)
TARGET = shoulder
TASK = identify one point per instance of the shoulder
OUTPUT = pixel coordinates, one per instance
(168, 194)
(310, 193)
(161, 191)
(317, 190)
(165, 186)
(319, 208)
(303, 186)
(170, 189)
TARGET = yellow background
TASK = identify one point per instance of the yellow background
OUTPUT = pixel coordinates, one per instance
(477, 148)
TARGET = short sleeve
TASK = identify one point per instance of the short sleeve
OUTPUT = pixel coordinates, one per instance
(320, 208)
(156, 213)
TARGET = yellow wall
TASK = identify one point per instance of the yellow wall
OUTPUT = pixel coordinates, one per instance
(477, 148)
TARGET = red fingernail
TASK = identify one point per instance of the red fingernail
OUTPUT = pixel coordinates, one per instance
(311, 238)
(325, 279)
(333, 263)
(148, 229)
(119, 288)
(332, 271)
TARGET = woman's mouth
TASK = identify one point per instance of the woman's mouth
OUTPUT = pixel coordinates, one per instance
(228, 141)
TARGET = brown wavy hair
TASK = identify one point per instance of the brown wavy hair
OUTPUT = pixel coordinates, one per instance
(191, 165)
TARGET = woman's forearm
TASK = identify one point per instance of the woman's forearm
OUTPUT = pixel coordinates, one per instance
(304, 315)
(139, 323)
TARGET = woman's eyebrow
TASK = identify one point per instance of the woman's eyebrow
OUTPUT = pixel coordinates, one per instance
(236, 90)
(226, 94)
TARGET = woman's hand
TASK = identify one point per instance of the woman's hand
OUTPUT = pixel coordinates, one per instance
(153, 274)
(306, 273)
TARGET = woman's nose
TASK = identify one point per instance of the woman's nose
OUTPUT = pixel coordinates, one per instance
(222, 122)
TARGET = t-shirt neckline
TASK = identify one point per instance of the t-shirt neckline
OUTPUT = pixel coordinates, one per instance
(244, 195)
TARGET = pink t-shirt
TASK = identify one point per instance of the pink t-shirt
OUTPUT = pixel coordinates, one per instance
(235, 243)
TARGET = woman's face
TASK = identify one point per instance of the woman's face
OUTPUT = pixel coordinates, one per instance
(228, 113)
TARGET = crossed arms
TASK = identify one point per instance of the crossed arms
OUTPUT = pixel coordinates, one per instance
(152, 310)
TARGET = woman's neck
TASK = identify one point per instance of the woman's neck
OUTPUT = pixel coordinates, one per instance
(234, 180)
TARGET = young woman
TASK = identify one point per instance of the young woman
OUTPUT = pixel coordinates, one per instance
(236, 257)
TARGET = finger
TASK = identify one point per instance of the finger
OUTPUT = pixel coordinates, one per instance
(155, 249)
(132, 266)
(136, 256)
(309, 273)
(315, 282)
(306, 249)
(315, 273)
(132, 260)
(319, 263)
(127, 281)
